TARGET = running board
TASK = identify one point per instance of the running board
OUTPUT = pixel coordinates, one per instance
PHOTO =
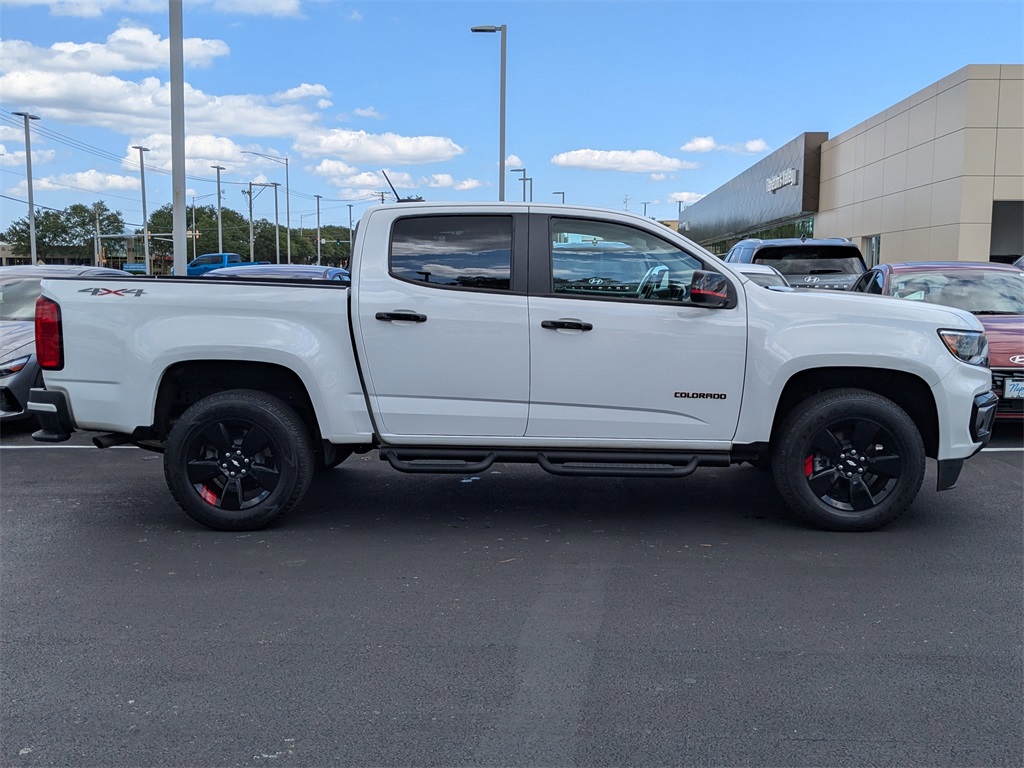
(565, 463)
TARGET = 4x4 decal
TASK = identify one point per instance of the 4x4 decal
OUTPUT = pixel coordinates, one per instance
(113, 291)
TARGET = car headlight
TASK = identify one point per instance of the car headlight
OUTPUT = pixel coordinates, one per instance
(7, 367)
(969, 346)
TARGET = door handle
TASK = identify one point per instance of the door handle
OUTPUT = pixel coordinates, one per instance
(566, 325)
(409, 317)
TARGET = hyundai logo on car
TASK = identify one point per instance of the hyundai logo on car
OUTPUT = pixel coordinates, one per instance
(1017, 359)
(811, 279)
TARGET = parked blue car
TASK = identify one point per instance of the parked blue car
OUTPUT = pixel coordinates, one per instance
(202, 264)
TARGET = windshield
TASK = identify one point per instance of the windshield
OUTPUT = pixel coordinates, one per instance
(18, 298)
(813, 260)
(980, 291)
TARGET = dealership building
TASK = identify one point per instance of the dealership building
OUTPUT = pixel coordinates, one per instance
(939, 176)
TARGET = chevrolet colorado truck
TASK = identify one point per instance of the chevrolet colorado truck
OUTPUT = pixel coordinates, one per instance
(588, 341)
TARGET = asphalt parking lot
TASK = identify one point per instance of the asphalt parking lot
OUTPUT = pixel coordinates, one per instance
(513, 619)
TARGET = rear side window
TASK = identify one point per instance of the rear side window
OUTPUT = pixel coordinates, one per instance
(453, 251)
(234, 258)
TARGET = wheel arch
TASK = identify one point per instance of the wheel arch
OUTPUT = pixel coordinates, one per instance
(909, 392)
(185, 383)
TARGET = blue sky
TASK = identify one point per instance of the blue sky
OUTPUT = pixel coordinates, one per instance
(639, 104)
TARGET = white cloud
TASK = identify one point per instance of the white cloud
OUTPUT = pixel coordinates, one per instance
(383, 148)
(324, 103)
(91, 181)
(688, 198)
(17, 158)
(355, 16)
(513, 160)
(302, 91)
(708, 144)
(88, 9)
(466, 184)
(632, 161)
(439, 180)
(368, 112)
(334, 168)
(126, 49)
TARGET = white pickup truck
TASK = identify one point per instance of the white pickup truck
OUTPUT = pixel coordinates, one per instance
(587, 341)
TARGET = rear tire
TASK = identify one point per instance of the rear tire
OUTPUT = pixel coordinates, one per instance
(848, 460)
(238, 460)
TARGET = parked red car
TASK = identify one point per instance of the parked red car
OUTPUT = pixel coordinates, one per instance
(993, 292)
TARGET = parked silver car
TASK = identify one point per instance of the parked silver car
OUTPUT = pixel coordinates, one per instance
(19, 371)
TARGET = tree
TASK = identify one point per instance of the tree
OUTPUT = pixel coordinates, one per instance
(234, 228)
(71, 232)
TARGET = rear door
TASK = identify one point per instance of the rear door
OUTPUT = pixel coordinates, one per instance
(618, 352)
(442, 323)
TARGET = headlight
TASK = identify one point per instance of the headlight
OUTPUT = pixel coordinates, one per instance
(969, 346)
(7, 367)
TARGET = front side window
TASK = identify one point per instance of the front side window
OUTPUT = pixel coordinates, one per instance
(453, 251)
(602, 259)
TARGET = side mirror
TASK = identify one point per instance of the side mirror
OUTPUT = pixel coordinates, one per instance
(709, 289)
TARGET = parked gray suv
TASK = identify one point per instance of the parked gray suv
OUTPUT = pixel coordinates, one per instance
(834, 263)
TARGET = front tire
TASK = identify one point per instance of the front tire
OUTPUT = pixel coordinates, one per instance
(848, 460)
(238, 460)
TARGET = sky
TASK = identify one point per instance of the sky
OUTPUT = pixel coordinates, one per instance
(643, 105)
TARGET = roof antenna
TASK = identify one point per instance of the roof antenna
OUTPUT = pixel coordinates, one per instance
(399, 199)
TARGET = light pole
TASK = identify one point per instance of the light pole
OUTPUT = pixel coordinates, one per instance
(531, 188)
(501, 109)
(220, 232)
(145, 218)
(645, 207)
(277, 226)
(522, 171)
(28, 175)
(287, 200)
(562, 194)
(318, 228)
(194, 198)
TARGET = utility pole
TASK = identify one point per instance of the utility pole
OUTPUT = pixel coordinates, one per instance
(145, 218)
(348, 264)
(318, 228)
(28, 176)
(220, 229)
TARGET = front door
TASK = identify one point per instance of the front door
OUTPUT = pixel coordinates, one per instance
(617, 350)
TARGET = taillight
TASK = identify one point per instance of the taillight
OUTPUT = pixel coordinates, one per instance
(49, 341)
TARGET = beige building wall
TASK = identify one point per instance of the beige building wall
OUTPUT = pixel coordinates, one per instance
(924, 173)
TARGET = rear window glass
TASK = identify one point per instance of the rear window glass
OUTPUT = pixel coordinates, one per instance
(812, 260)
(454, 251)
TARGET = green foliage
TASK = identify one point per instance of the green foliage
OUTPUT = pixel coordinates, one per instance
(70, 232)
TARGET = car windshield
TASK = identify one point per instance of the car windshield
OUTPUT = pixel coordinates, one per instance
(823, 260)
(767, 279)
(18, 298)
(979, 291)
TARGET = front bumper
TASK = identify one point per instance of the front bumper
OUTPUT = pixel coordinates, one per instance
(983, 415)
(53, 414)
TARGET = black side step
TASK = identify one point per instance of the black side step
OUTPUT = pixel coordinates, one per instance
(436, 462)
(594, 466)
(590, 463)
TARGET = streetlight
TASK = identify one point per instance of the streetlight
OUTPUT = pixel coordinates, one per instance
(645, 207)
(287, 200)
(28, 175)
(501, 109)
(318, 228)
(562, 194)
(277, 226)
(531, 188)
(145, 218)
(523, 171)
(220, 232)
(194, 198)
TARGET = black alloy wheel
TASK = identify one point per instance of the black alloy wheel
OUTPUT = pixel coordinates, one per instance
(238, 460)
(848, 460)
